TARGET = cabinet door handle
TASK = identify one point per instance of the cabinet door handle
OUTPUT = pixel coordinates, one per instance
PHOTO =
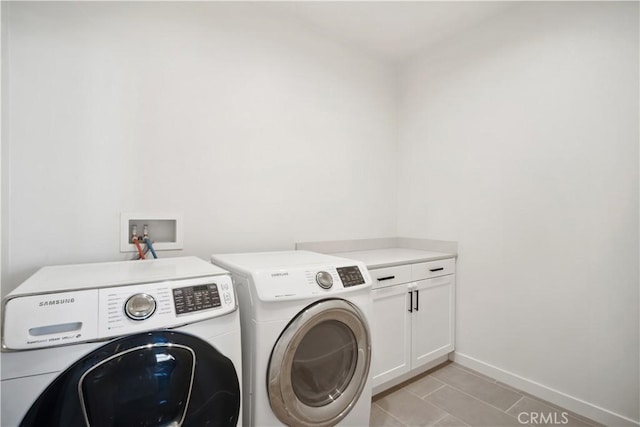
(417, 301)
(380, 279)
(433, 270)
(410, 301)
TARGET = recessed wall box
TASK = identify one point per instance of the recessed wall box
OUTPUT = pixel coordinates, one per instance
(165, 230)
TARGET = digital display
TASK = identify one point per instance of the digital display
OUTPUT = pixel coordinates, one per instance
(196, 298)
(350, 276)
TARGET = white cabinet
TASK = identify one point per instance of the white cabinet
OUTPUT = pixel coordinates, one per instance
(432, 320)
(413, 318)
(391, 331)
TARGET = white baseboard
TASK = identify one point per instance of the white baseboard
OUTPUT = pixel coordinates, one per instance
(556, 397)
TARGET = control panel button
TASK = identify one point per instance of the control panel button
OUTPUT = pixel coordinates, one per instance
(191, 299)
(350, 276)
(140, 306)
(324, 279)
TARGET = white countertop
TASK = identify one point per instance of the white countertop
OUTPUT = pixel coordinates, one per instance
(378, 258)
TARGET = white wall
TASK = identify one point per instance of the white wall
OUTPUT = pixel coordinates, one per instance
(519, 139)
(261, 132)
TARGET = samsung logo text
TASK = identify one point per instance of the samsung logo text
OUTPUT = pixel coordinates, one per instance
(57, 302)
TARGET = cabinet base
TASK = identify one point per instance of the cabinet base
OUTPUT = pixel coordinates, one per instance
(409, 375)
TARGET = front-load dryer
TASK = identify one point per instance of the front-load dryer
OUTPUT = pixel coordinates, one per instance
(137, 343)
(305, 336)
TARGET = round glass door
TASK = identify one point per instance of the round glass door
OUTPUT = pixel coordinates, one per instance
(153, 379)
(320, 364)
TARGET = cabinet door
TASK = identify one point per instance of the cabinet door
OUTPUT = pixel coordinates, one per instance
(433, 317)
(391, 333)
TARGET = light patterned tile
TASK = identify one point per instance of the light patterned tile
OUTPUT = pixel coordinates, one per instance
(450, 421)
(410, 409)
(469, 409)
(380, 418)
(476, 373)
(463, 392)
(478, 387)
(424, 386)
(579, 417)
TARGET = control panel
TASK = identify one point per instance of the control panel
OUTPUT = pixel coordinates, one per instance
(303, 282)
(36, 321)
(350, 276)
(164, 305)
(196, 298)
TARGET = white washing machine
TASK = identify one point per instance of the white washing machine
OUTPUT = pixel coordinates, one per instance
(144, 343)
(305, 336)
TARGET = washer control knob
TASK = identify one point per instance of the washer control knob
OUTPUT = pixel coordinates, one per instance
(140, 306)
(324, 279)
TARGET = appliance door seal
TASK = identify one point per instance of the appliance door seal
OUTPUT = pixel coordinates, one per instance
(320, 364)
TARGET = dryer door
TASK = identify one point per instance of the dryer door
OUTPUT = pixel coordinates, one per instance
(160, 378)
(320, 364)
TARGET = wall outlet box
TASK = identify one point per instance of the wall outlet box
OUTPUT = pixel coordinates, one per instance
(165, 230)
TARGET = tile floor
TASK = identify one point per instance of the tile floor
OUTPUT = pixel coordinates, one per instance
(452, 395)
